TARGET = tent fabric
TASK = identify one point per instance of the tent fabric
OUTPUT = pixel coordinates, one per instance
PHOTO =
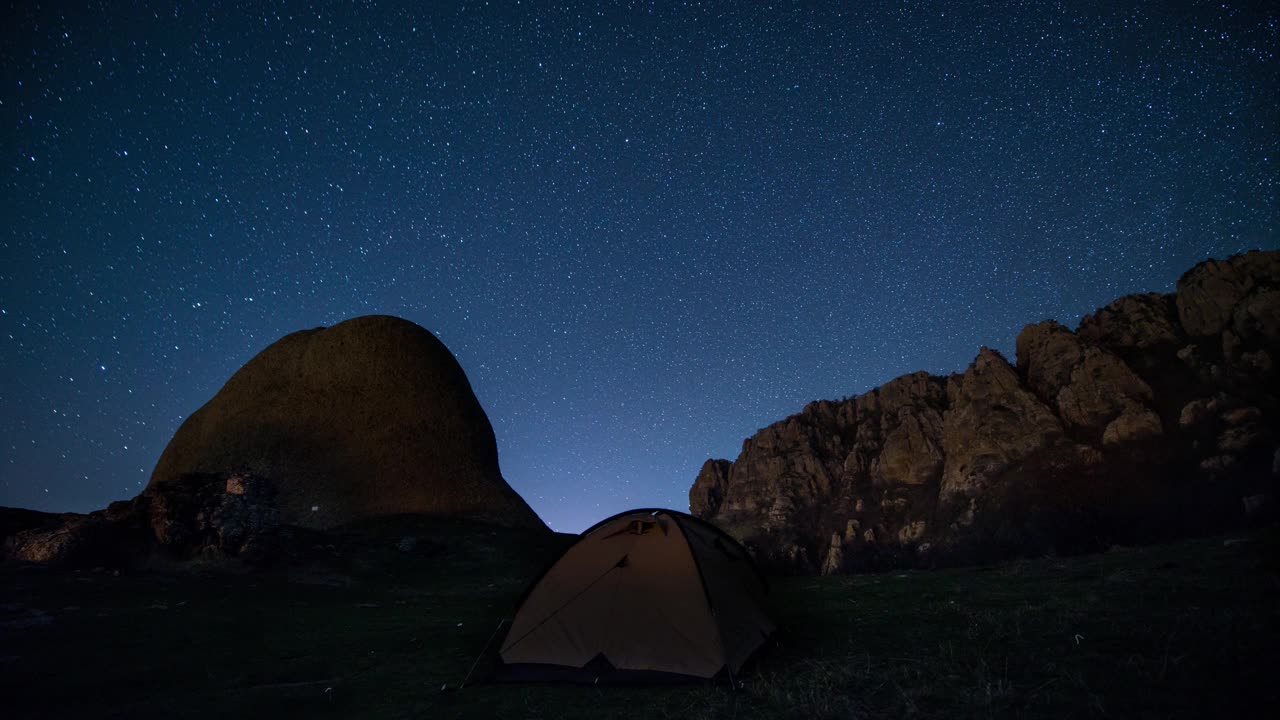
(646, 594)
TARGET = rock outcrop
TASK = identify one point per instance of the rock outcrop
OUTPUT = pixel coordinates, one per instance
(194, 516)
(1159, 415)
(1090, 389)
(372, 416)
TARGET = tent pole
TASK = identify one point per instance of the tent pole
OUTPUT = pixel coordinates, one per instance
(622, 562)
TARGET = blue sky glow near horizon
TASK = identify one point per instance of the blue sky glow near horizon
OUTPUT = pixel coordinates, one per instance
(644, 229)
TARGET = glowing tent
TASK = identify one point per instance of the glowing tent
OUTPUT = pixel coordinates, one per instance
(644, 595)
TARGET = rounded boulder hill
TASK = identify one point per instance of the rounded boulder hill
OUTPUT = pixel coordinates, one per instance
(372, 416)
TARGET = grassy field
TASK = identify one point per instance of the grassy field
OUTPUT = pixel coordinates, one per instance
(1184, 630)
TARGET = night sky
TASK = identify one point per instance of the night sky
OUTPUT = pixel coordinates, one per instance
(644, 231)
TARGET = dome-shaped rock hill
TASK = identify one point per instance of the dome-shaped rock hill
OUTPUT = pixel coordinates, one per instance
(372, 416)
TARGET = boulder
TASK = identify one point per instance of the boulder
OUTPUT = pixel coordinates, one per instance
(1133, 325)
(372, 416)
(1135, 423)
(911, 532)
(1245, 436)
(1047, 354)
(1217, 465)
(1088, 386)
(1210, 293)
(1201, 410)
(1257, 316)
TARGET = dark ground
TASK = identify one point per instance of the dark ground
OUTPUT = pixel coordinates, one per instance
(1182, 630)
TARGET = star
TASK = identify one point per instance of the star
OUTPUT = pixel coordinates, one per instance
(828, 201)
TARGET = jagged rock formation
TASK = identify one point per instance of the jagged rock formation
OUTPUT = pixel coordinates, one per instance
(1158, 416)
(372, 416)
(194, 516)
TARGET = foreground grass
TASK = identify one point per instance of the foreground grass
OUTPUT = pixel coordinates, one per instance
(1184, 630)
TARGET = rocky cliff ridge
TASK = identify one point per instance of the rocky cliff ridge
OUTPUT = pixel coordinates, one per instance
(1158, 416)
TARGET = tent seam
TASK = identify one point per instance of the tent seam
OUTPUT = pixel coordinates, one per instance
(706, 593)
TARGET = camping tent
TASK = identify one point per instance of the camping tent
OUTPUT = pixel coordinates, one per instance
(643, 595)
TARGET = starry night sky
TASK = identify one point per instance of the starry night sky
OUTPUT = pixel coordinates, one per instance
(644, 231)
